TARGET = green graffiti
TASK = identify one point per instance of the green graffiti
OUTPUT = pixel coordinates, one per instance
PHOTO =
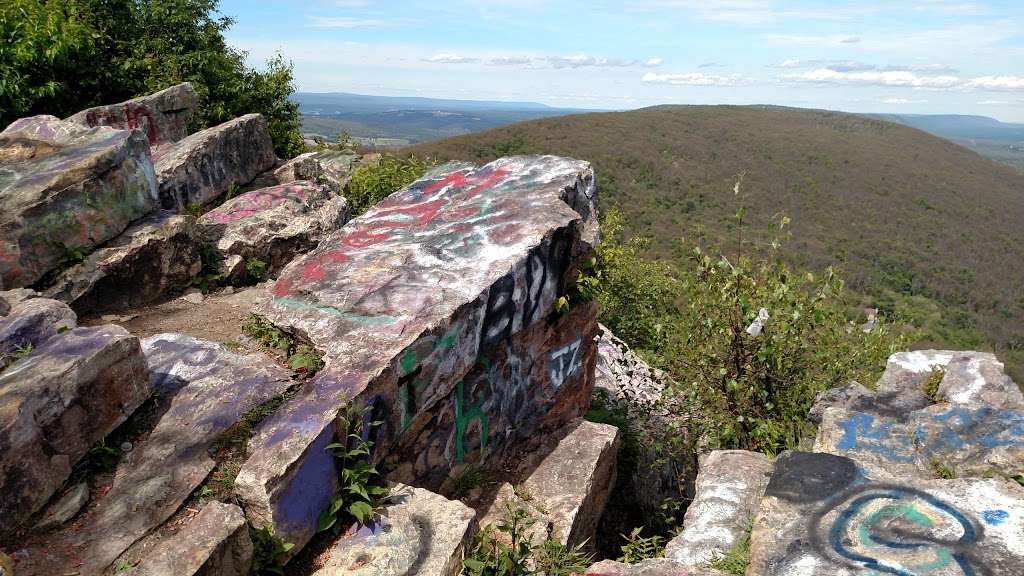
(463, 417)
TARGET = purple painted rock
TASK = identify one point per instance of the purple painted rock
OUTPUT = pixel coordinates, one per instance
(55, 404)
(729, 488)
(273, 225)
(158, 255)
(31, 323)
(822, 514)
(208, 389)
(201, 167)
(213, 543)
(419, 533)
(162, 116)
(568, 489)
(64, 189)
(651, 567)
(332, 168)
(416, 305)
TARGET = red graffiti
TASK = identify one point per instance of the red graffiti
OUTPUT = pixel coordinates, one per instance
(257, 201)
(132, 115)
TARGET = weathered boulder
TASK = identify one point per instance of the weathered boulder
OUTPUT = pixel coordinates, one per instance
(55, 404)
(652, 567)
(629, 382)
(332, 168)
(434, 310)
(65, 508)
(566, 493)
(158, 255)
(65, 189)
(977, 379)
(5, 306)
(729, 488)
(201, 167)
(272, 225)
(419, 534)
(31, 323)
(208, 388)
(162, 116)
(822, 514)
(214, 543)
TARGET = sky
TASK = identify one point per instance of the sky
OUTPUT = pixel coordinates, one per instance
(897, 56)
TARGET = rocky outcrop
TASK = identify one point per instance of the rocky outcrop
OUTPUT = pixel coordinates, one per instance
(29, 324)
(653, 567)
(729, 488)
(213, 543)
(201, 167)
(433, 310)
(64, 189)
(272, 225)
(55, 404)
(156, 256)
(163, 116)
(419, 533)
(332, 168)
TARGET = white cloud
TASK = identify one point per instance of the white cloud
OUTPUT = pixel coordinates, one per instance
(997, 83)
(509, 61)
(994, 102)
(709, 65)
(654, 62)
(880, 78)
(346, 22)
(794, 63)
(831, 40)
(450, 59)
(582, 60)
(696, 79)
(903, 101)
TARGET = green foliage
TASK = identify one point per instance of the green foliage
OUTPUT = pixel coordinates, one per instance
(736, 560)
(209, 276)
(301, 358)
(371, 183)
(942, 470)
(512, 146)
(21, 352)
(98, 460)
(256, 269)
(467, 481)
(638, 547)
(505, 549)
(361, 493)
(61, 57)
(305, 360)
(932, 383)
(269, 552)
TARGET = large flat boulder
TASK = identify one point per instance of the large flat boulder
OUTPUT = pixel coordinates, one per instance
(207, 389)
(419, 533)
(432, 309)
(273, 225)
(214, 543)
(157, 255)
(29, 324)
(162, 116)
(727, 496)
(332, 168)
(64, 189)
(822, 514)
(201, 167)
(57, 402)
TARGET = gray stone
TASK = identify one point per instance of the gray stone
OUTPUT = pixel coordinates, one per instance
(853, 394)
(977, 379)
(55, 404)
(201, 167)
(428, 310)
(65, 508)
(729, 488)
(158, 255)
(31, 323)
(5, 306)
(162, 116)
(332, 168)
(822, 514)
(208, 388)
(652, 567)
(213, 543)
(193, 296)
(64, 189)
(16, 296)
(419, 534)
(273, 225)
(625, 377)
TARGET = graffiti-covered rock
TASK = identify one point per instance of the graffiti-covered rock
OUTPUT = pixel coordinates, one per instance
(333, 168)
(729, 488)
(272, 225)
(206, 388)
(55, 403)
(201, 167)
(418, 533)
(64, 189)
(421, 308)
(162, 116)
(822, 514)
(651, 567)
(157, 255)
(31, 323)
(214, 543)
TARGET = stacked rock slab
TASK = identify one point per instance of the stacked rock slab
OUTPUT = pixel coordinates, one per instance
(66, 394)
(824, 514)
(65, 189)
(333, 168)
(419, 533)
(652, 567)
(201, 167)
(214, 543)
(155, 256)
(272, 225)
(162, 116)
(433, 311)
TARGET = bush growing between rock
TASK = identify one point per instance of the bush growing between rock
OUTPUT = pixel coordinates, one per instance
(372, 183)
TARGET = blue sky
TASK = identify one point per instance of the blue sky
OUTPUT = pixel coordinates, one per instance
(913, 56)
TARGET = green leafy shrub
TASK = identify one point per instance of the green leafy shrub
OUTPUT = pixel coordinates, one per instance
(361, 491)
(256, 269)
(932, 383)
(372, 183)
(301, 358)
(269, 552)
(736, 560)
(638, 547)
